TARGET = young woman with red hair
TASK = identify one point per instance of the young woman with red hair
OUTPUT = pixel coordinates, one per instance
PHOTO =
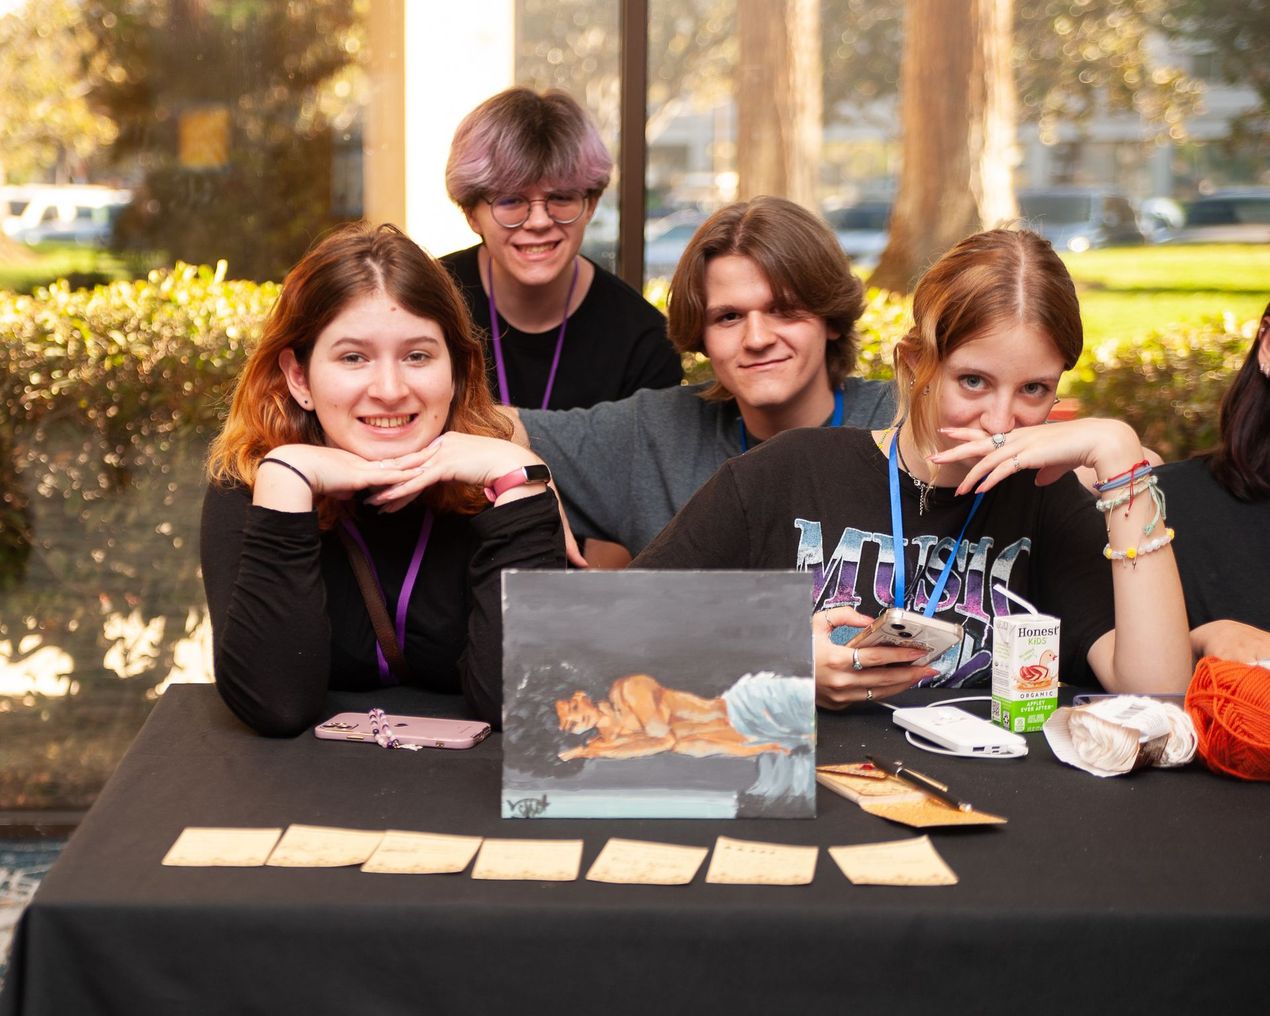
(368, 374)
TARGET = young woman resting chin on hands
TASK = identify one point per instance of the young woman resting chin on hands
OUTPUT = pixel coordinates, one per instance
(362, 425)
(875, 517)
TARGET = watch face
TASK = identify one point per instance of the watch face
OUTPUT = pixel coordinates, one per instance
(537, 474)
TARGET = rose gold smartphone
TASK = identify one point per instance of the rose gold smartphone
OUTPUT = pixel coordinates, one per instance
(911, 630)
(426, 731)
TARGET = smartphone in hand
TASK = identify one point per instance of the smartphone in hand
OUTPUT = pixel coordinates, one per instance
(910, 630)
(426, 731)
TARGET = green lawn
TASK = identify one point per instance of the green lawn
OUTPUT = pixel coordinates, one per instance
(1131, 291)
(24, 267)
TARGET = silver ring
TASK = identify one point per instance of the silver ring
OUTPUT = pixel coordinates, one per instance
(855, 660)
(998, 440)
(868, 694)
(1017, 464)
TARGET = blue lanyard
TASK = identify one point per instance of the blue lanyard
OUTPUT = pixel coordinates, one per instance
(836, 421)
(897, 536)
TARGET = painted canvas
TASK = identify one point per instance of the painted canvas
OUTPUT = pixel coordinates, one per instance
(635, 694)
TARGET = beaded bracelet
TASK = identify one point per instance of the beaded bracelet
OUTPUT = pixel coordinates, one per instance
(1133, 553)
(381, 730)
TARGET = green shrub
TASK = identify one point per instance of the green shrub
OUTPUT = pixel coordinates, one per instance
(125, 366)
(1168, 386)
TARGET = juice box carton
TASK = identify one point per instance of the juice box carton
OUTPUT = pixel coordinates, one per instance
(1024, 670)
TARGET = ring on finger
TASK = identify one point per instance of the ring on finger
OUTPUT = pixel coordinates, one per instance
(868, 694)
(998, 440)
(1017, 465)
(855, 660)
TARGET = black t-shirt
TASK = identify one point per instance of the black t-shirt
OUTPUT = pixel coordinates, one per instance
(1222, 546)
(615, 344)
(289, 620)
(817, 500)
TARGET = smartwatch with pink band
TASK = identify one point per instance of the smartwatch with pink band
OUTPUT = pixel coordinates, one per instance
(537, 473)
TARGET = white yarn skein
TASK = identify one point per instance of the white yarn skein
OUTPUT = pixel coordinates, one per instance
(1103, 743)
(1109, 734)
(1183, 739)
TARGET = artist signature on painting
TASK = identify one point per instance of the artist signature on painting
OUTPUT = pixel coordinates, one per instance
(528, 807)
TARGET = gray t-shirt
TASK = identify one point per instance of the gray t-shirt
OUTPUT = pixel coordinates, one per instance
(624, 468)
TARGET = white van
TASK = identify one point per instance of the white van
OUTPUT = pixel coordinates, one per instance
(66, 213)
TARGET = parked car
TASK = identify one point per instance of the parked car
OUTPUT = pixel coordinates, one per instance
(862, 230)
(65, 213)
(1228, 216)
(1078, 218)
(13, 202)
(665, 240)
(1159, 217)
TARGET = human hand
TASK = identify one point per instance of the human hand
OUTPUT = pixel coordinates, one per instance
(458, 458)
(1231, 640)
(882, 671)
(572, 552)
(297, 473)
(1107, 447)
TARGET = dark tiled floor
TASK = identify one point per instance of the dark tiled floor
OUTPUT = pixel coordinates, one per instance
(22, 864)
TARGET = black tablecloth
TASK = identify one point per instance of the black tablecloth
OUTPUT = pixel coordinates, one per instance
(1149, 892)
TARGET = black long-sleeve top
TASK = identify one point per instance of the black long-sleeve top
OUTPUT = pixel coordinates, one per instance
(289, 621)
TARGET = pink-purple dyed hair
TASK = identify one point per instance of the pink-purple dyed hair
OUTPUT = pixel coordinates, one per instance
(518, 139)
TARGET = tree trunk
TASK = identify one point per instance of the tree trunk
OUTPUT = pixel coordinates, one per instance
(957, 110)
(779, 99)
(996, 148)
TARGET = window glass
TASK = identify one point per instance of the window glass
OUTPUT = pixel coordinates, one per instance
(201, 131)
(575, 45)
(1054, 208)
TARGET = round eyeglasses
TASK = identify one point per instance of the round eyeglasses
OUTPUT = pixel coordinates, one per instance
(511, 211)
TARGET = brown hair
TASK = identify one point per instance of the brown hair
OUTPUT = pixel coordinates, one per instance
(991, 277)
(352, 262)
(1241, 462)
(801, 260)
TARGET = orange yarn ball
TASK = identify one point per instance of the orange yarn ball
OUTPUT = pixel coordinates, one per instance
(1230, 705)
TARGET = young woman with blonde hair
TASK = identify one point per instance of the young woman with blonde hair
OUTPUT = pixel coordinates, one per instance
(874, 516)
(368, 375)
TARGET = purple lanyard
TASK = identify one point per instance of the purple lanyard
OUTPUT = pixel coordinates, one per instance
(407, 585)
(503, 395)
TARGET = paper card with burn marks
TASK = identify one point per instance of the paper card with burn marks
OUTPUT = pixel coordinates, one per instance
(637, 694)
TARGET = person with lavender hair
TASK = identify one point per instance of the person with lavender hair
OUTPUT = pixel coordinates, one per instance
(527, 169)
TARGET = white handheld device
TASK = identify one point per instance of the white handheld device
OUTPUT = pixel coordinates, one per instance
(911, 630)
(959, 731)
